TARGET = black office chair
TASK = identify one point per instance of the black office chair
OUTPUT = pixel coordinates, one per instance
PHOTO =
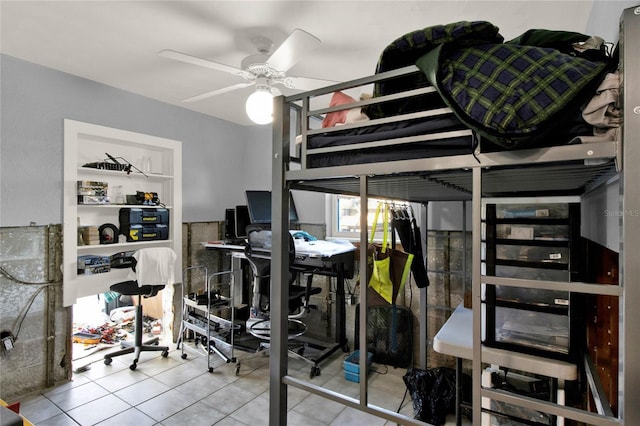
(299, 295)
(150, 264)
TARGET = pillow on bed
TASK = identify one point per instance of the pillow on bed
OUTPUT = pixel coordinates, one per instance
(337, 117)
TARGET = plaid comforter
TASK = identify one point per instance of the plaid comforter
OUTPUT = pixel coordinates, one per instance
(513, 93)
(510, 93)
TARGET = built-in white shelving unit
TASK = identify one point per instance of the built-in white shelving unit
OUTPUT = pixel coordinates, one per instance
(157, 168)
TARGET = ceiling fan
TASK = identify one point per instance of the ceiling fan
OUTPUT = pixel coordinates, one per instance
(263, 69)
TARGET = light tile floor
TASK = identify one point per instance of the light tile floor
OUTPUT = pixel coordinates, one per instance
(172, 391)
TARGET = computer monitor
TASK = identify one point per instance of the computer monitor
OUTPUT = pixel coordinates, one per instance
(259, 205)
(242, 221)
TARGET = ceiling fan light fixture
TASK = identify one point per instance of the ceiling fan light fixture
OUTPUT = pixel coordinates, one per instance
(263, 69)
(259, 105)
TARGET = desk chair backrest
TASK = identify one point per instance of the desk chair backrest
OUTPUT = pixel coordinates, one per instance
(258, 250)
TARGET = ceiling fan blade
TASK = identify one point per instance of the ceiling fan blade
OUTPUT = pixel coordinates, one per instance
(292, 49)
(307, 83)
(218, 92)
(190, 59)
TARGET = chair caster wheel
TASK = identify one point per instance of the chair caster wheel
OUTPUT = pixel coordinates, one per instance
(165, 354)
(107, 361)
(315, 371)
(133, 366)
(237, 369)
(210, 369)
(183, 356)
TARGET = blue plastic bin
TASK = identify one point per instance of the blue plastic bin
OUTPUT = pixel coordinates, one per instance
(352, 367)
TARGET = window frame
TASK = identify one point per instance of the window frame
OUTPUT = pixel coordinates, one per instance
(332, 219)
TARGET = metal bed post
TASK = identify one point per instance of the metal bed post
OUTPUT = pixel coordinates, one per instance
(476, 296)
(464, 244)
(629, 398)
(279, 265)
(422, 320)
(459, 395)
(364, 280)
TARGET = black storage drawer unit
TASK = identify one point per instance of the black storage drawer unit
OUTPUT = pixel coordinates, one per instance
(533, 242)
(137, 216)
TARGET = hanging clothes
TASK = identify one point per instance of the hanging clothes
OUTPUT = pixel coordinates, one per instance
(404, 223)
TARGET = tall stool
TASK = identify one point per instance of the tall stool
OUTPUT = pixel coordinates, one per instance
(150, 265)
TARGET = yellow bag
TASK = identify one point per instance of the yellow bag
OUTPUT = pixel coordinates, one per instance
(389, 268)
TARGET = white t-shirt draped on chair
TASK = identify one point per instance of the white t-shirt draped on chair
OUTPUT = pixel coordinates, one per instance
(155, 266)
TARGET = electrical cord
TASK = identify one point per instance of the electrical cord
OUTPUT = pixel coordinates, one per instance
(8, 275)
(23, 313)
(404, 397)
(17, 324)
(374, 369)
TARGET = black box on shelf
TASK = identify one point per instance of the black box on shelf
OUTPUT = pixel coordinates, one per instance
(145, 232)
(138, 216)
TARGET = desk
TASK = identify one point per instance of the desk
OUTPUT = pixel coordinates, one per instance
(455, 338)
(326, 258)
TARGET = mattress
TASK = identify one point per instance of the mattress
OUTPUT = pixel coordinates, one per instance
(404, 140)
(435, 136)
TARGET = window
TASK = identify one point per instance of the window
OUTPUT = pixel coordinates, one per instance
(344, 218)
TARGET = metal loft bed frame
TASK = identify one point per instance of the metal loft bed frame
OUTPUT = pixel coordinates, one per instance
(558, 169)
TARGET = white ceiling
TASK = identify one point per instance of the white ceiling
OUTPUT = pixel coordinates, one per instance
(116, 42)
